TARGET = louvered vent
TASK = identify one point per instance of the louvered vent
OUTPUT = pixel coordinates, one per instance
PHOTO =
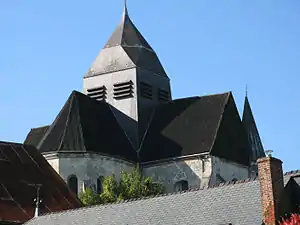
(146, 90)
(163, 95)
(123, 90)
(98, 93)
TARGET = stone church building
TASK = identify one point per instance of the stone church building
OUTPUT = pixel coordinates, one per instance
(126, 115)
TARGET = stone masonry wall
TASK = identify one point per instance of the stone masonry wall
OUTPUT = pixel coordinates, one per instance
(196, 171)
(224, 170)
(89, 167)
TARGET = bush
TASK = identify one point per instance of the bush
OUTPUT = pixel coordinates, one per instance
(131, 185)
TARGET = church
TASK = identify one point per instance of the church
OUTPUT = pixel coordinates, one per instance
(126, 116)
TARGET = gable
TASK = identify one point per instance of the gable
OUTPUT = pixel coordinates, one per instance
(231, 142)
(183, 127)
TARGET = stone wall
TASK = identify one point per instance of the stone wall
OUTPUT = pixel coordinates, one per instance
(224, 170)
(198, 171)
(88, 167)
(195, 170)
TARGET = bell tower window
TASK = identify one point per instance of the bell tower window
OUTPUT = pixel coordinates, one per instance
(163, 95)
(123, 90)
(98, 93)
(146, 90)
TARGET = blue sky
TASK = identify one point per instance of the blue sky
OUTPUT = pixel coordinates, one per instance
(205, 46)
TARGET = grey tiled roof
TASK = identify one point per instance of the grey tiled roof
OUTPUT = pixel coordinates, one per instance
(238, 204)
(295, 174)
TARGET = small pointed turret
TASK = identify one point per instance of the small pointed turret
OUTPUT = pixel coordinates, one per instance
(255, 144)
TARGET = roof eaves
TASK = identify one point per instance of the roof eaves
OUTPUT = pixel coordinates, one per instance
(292, 173)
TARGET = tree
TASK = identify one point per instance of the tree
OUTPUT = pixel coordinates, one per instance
(131, 185)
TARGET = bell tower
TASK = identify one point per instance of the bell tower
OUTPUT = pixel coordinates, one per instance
(128, 75)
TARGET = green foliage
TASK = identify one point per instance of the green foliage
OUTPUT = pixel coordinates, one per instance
(131, 185)
(89, 197)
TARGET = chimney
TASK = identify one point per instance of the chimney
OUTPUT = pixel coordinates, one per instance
(270, 177)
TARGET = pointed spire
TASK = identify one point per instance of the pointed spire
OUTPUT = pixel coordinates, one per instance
(246, 91)
(125, 12)
(252, 132)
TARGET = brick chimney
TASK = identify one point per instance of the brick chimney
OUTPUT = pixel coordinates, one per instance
(271, 186)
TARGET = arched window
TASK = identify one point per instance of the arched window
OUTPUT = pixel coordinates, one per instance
(73, 183)
(99, 184)
(181, 185)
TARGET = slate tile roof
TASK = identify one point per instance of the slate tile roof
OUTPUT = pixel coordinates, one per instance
(295, 174)
(35, 135)
(22, 166)
(252, 132)
(85, 124)
(237, 204)
(206, 124)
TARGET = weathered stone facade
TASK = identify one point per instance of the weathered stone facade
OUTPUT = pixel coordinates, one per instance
(87, 167)
(197, 170)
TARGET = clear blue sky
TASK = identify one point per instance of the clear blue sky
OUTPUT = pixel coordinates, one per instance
(205, 46)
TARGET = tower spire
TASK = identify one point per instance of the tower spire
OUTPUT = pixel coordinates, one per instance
(246, 91)
(125, 12)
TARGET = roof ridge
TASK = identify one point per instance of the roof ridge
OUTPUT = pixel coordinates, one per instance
(224, 184)
(35, 128)
(292, 172)
(220, 120)
(72, 96)
(200, 96)
(113, 113)
(78, 111)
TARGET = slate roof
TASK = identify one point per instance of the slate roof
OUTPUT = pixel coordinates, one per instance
(254, 140)
(126, 48)
(35, 135)
(207, 124)
(237, 204)
(295, 174)
(22, 166)
(87, 125)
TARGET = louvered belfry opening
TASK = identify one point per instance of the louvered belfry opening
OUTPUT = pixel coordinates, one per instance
(146, 90)
(163, 95)
(123, 90)
(98, 93)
